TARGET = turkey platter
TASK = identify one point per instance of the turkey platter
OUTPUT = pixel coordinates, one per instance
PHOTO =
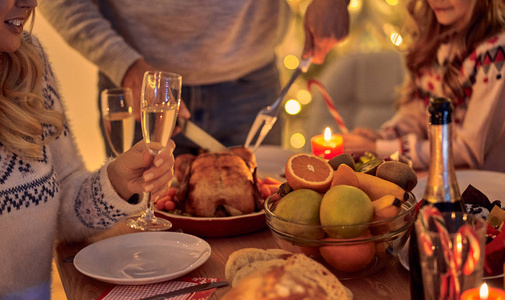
(218, 184)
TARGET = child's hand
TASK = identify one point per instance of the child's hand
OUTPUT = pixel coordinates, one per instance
(358, 144)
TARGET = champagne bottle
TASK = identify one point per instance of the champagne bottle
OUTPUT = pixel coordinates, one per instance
(442, 189)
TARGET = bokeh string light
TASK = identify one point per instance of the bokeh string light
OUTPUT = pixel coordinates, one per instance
(375, 26)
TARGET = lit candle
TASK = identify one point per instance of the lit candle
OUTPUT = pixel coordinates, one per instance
(328, 145)
(483, 293)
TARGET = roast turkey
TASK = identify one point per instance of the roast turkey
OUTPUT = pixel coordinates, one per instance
(217, 184)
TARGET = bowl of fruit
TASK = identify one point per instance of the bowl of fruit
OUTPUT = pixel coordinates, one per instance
(354, 219)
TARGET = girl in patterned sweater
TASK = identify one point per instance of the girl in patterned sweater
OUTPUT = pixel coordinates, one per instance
(457, 51)
(46, 193)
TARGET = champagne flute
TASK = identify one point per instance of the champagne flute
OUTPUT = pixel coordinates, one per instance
(118, 118)
(161, 97)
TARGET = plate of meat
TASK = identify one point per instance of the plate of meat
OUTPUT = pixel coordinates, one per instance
(218, 194)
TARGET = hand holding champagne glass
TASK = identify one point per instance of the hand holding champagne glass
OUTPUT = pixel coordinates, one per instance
(160, 100)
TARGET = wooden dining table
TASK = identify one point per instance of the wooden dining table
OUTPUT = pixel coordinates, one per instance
(391, 282)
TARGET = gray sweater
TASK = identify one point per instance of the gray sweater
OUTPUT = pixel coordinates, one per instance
(206, 41)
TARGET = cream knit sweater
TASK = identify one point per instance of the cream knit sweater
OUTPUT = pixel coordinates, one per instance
(52, 198)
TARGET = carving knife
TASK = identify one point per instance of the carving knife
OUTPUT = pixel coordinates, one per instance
(199, 136)
(187, 290)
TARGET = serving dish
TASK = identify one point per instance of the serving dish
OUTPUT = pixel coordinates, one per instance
(142, 258)
(388, 238)
(215, 227)
(271, 162)
(488, 182)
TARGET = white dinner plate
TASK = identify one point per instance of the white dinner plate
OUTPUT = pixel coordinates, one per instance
(488, 182)
(142, 258)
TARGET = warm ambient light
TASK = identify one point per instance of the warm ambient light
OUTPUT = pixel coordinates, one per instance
(291, 62)
(304, 96)
(483, 293)
(292, 107)
(297, 140)
(327, 145)
(353, 4)
(327, 134)
(396, 39)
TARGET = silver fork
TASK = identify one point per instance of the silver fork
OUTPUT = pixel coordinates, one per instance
(267, 116)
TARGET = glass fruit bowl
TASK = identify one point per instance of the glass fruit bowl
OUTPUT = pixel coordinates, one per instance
(347, 258)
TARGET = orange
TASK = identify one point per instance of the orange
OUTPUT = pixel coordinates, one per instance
(345, 175)
(307, 171)
(349, 258)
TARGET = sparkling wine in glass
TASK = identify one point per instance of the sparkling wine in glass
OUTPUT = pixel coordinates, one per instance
(118, 118)
(161, 97)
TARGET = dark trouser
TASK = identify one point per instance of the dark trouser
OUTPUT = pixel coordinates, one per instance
(225, 110)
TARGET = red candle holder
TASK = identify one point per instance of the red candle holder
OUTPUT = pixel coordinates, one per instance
(327, 145)
(483, 293)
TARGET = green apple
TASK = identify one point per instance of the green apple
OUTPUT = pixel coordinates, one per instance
(300, 208)
(342, 209)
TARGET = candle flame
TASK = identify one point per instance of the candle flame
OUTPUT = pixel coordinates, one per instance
(483, 293)
(327, 134)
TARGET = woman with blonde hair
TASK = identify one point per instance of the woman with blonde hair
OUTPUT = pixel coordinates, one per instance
(46, 193)
(457, 50)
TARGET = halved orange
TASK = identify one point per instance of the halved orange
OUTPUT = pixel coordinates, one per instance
(307, 171)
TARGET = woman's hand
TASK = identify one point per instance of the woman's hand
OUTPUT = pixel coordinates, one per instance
(137, 171)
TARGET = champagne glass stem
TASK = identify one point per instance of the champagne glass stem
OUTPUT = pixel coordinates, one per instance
(149, 212)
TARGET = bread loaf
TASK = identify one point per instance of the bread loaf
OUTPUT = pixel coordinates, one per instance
(276, 274)
(250, 259)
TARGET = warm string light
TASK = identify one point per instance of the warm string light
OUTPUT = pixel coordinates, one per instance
(292, 107)
(388, 18)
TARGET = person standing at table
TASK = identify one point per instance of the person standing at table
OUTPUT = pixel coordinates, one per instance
(46, 193)
(458, 51)
(224, 50)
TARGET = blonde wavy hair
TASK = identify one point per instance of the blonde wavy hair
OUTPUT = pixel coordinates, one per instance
(22, 109)
(427, 35)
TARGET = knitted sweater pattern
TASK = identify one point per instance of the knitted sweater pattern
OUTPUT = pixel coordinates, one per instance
(479, 135)
(52, 198)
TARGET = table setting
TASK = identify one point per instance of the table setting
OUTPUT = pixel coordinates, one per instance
(185, 246)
